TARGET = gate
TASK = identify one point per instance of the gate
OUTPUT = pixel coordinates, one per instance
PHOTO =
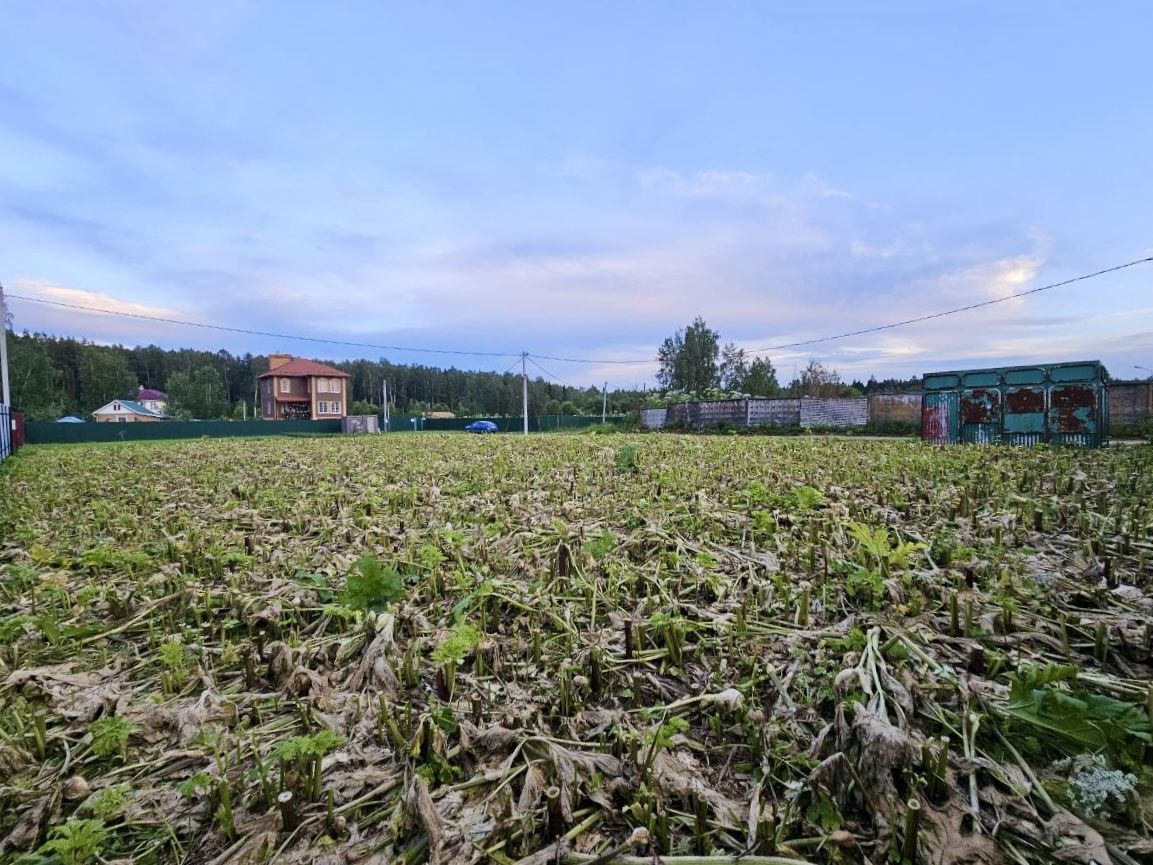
(5, 430)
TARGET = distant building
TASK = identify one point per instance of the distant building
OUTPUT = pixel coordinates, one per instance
(153, 400)
(126, 411)
(440, 415)
(298, 389)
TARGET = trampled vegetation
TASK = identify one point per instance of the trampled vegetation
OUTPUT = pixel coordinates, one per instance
(451, 649)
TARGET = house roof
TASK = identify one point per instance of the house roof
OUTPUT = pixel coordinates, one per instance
(130, 405)
(150, 393)
(301, 368)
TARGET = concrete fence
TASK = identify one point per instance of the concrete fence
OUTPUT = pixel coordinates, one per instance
(845, 411)
(895, 408)
(850, 411)
(1130, 402)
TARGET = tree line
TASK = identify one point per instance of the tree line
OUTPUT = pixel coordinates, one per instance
(693, 363)
(56, 376)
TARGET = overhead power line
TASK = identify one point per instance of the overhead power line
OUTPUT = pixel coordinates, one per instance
(555, 378)
(888, 326)
(587, 360)
(262, 332)
(953, 311)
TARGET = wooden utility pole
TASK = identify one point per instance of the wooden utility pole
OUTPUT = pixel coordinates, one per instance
(5, 390)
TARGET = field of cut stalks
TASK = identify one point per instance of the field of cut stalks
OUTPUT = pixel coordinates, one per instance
(579, 649)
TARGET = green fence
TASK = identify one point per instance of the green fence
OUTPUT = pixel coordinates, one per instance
(536, 423)
(74, 433)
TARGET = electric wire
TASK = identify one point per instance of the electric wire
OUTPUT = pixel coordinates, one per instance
(585, 360)
(882, 327)
(555, 378)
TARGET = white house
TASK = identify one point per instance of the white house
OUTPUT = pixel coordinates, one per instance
(126, 411)
(152, 399)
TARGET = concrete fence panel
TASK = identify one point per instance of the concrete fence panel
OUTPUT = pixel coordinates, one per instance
(847, 411)
(654, 418)
(1130, 402)
(895, 408)
(778, 412)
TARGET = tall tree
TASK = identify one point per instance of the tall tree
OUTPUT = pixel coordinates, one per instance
(688, 359)
(199, 394)
(815, 380)
(734, 367)
(761, 379)
(36, 391)
(104, 375)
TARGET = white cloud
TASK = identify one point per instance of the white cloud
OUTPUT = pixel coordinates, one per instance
(988, 280)
(98, 303)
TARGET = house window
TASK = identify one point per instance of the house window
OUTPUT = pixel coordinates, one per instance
(334, 386)
(285, 385)
(122, 420)
(322, 407)
(336, 407)
(116, 406)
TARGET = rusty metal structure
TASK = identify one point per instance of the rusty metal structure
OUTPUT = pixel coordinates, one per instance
(1060, 403)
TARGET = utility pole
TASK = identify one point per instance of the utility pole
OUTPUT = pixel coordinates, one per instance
(384, 401)
(5, 390)
(524, 386)
(604, 402)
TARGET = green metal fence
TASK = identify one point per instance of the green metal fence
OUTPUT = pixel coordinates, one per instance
(536, 423)
(75, 433)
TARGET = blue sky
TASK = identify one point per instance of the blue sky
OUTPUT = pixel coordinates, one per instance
(582, 179)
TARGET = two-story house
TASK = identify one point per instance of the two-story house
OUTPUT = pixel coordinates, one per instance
(298, 389)
(153, 400)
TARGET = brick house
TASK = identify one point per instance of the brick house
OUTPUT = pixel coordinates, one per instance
(298, 389)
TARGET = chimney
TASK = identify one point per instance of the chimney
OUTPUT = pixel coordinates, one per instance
(276, 361)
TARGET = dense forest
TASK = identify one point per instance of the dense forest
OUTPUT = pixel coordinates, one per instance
(56, 376)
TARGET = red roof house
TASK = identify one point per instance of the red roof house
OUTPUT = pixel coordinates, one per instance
(299, 389)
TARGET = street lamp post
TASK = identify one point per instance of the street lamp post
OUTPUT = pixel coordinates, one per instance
(1150, 371)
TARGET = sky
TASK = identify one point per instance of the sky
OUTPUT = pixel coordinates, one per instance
(580, 180)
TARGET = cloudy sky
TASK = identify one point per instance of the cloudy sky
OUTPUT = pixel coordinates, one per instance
(581, 179)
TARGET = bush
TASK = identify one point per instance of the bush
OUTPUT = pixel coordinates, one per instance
(1132, 431)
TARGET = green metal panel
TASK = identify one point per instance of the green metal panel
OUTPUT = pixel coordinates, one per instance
(1027, 375)
(980, 414)
(981, 378)
(940, 417)
(941, 381)
(75, 433)
(1075, 372)
(1024, 417)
